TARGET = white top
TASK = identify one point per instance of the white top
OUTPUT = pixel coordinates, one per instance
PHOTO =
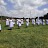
(13, 20)
(27, 20)
(7, 21)
(21, 19)
(0, 26)
(11, 23)
(19, 22)
(33, 20)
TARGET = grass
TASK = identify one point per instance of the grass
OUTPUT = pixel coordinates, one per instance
(31, 37)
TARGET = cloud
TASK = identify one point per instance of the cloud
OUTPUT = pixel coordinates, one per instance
(2, 2)
(46, 1)
(24, 8)
(29, 2)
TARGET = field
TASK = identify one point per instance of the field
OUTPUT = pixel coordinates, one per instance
(31, 37)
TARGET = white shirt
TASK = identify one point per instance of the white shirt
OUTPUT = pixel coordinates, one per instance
(19, 22)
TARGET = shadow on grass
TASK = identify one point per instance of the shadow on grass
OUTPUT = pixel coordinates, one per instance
(9, 29)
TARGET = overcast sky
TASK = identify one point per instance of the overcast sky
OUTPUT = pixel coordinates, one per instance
(23, 8)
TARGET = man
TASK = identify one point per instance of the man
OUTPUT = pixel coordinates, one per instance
(27, 22)
(0, 25)
(7, 22)
(22, 21)
(19, 23)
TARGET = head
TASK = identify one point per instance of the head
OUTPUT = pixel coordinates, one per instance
(6, 18)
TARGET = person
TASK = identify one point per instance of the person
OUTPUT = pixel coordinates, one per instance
(11, 24)
(46, 21)
(14, 21)
(33, 22)
(0, 25)
(22, 21)
(7, 22)
(27, 22)
(38, 22)
(19, 23)
(43, 22)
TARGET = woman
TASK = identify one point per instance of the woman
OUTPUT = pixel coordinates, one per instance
(19, 23)
(27, 22)
(0, 25)
(22, 21)
(7, 22)
(11, 24)
(33, 22)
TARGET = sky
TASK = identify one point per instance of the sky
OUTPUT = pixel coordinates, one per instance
(23, 8)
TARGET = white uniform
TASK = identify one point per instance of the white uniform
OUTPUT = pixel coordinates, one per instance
(46, 21)
(19, 22)
(43, 23)
(0, 26)
(27, 22)
(7, 21)
(11, 24)
(13, 21)
(33, 21)
(38, 22)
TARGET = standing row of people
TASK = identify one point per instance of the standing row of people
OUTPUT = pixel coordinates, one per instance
(11, 22)
(20, 22)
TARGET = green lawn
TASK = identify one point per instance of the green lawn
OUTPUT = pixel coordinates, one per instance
(31, 37)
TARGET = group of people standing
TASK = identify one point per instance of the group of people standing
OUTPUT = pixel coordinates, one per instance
(11, 22)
